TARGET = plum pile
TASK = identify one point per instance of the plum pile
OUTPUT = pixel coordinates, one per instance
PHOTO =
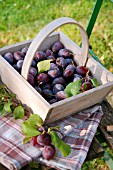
(44, 140)
(63, 70)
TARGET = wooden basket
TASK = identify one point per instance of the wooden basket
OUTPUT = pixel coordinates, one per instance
(29, 96)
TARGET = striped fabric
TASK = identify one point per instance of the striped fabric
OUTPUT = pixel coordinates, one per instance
(77, 130)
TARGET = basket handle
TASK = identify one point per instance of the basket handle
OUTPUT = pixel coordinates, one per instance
(45, 32)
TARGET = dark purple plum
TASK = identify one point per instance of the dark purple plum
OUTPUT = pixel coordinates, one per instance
(16, 68)
(52, 101)
(24, 50)
(47, 94)
(46, 86)
(82, 70)
(57, 46)
(33, 71)
(65, 53)
(59, 80)
(19, 64)
(57, 88)
(69, 61)
(61, 62)
(77, 75)
(42, 78)
(49, 53)
(31, 79)
(48, 152)
(54, 73)
(44, 139)
(18, 55)
(71, 67)
(9, 58)
(53, 66)
(33, 64)
(76, 78)
(52, 58)
(34, 141)
(38, 89)
(68, 73)
(61, 95)
(86, 86)
(39, 56)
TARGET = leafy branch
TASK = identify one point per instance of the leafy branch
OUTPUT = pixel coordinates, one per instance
(9, 104)
(30, 129)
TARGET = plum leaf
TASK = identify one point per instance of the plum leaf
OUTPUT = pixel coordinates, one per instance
(73, 88)
(43, 65)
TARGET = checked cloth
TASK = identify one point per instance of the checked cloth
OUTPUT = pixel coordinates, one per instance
(77, 130)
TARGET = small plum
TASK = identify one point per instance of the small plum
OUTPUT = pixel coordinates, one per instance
(61, 62)
(48, 152)
(18, 55)
(39, 56)
(44, 139)
(82, 70)
(57, 88)
(86, 86)
(24, 50)
(65, 53)
(68, 73)
(19, 64)
(47, 94)
(54, 73)
(31, 79)
(42, 78)
(9, 58)
(61, 95)
(59, 80)
(33, 71)
(57, 46)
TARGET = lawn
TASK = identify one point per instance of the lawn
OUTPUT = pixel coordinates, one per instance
(22, 20)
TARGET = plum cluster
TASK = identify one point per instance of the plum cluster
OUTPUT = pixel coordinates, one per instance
(44, 140)
(63, 70)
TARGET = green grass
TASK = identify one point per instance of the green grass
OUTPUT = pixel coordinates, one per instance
(22, 20)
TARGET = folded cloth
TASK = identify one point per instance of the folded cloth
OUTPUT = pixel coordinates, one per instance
(77, 130)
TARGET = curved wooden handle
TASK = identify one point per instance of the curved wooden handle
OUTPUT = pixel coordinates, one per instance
(45, 32)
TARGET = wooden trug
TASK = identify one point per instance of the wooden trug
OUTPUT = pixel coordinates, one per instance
(29, 96)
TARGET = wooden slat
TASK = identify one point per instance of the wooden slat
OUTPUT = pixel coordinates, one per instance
(107, 120)
(95, 151)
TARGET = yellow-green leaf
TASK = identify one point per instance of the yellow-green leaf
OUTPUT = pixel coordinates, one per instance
(18, 112)
(43, 65)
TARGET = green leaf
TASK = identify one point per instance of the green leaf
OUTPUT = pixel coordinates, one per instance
(3, 112)
(7, 106)
(73, 88)
(43, 65)
(18, 112)
(95, 82)
(29, 129)
(58, 143)
(1, 107)
(35, 120)
(26, 139)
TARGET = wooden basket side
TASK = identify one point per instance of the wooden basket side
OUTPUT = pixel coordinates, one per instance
(98, 71)
(77, 103)
(15, 47)
(45, 45)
